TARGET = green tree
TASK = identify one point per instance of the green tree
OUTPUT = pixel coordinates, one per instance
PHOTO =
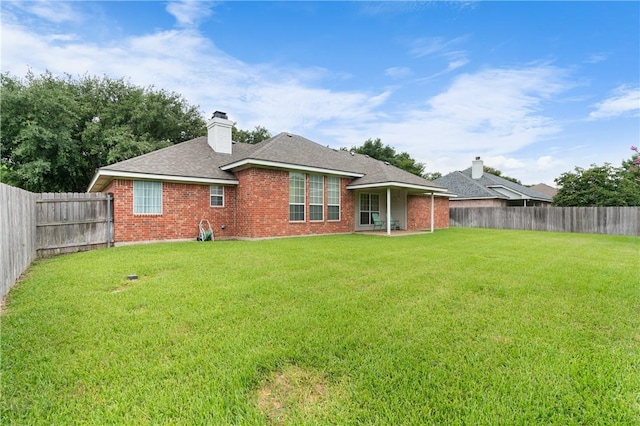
(56, 131)
(375, 149)
(633, 164)
(432, 175)
(257, 135)
(598, 186)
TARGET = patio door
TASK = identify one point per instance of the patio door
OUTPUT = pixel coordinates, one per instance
(369, 204)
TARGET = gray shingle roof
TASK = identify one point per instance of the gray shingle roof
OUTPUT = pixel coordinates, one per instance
(464, 186)
(196, 159)
(193, 158)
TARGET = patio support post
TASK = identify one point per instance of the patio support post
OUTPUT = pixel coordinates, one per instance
(388, 211)
(432, 211)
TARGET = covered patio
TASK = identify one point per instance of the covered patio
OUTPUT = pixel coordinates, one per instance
(394, 209)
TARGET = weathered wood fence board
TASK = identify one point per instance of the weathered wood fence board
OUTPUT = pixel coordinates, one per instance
(69, 222)
(33, 225)
(588, 220)
(17, 234)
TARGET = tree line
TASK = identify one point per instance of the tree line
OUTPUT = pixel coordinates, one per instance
(57, 131)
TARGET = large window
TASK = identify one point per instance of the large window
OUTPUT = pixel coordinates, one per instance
(216, 195)
(147, 197)
(316, 197)
(296, 197)
(369, 203)
(333, 198)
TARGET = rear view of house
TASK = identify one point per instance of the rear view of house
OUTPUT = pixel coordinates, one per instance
(284, 186)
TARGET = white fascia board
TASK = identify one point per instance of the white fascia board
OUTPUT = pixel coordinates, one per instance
(114, 174)
(396, 185)
(482, 198)
(506, 191)
(93, 181)
(289, 166)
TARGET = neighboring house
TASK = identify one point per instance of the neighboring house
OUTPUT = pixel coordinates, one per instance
(545, 189)
(476, 188)
(284, 186)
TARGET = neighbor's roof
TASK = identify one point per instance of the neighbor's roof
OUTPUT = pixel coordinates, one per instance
(488, 186)
(195, 161)
(545, 189)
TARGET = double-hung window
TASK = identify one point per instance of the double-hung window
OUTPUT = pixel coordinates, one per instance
(147, 197)
(369, 203)
(296, 196)
(333, 198)
(216, 195)
(316, 197)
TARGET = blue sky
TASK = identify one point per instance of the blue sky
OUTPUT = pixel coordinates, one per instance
(534, 88)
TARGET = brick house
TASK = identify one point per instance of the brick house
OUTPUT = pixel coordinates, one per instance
(476, 188)
(284, 186)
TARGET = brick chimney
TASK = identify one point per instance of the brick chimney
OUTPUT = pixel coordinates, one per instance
(219, 132)
(477, 168)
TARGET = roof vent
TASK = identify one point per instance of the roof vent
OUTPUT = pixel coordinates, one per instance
(220, 114)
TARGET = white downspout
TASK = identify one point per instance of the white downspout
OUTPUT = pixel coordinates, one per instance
(388, 211)
(432, 211)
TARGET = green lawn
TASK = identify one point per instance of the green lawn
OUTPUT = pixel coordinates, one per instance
(464, 326)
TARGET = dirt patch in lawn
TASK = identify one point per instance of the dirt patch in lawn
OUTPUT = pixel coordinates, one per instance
(293, 393)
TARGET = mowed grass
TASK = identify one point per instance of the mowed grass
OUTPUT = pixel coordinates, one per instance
(464, 326)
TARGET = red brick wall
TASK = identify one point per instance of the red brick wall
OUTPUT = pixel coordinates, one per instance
(257, 208)
(183, 206)
(263, 207)
(419, 212)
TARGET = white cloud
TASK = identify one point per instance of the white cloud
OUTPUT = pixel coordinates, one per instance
(189, 12)
(548, 162)
(398, 72)
(596, 58)
(492, 113)
(626, 100)
(56, 11)
(457, 63)
(440, 47)
(426, 46)
(504, 163)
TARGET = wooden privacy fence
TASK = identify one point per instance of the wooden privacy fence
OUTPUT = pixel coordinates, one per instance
(17, 234)
(588, 220)
(70, 222)
(33, 225)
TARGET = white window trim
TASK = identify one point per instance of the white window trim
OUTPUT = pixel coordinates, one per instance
(316, 204)
(134, 199)
(216, 195)
(339, 199)
(304, 198)
(360, 211)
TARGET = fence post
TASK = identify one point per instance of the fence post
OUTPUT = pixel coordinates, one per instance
(109, 218)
